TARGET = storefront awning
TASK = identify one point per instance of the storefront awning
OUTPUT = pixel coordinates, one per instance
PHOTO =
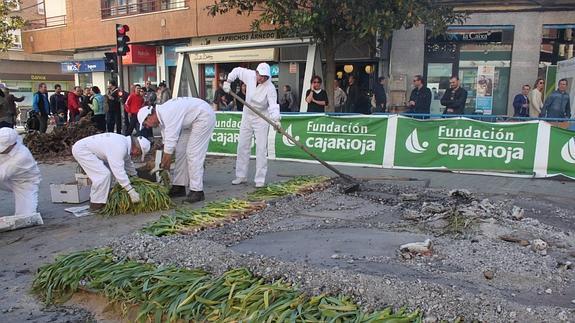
(246, 55)
(275, 43)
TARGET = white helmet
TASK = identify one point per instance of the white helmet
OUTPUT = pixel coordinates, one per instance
(8, 137)
(145, 146)
(264, 70)
(143, 113)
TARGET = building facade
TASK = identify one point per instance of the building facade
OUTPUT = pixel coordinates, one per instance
(22, 71)
(498, 49)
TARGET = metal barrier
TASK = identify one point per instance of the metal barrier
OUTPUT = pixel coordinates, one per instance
(482, 117)
(140, 7)
(46, 22)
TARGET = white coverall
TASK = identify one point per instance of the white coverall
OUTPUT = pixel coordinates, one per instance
(264, 98)
(19, 173)
(111, 148)
(187, 125)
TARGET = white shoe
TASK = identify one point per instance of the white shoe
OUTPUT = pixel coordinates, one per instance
(260, 185)
(238, 181)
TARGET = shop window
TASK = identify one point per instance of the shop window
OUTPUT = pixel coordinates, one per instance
(17, 42)
(481, 57)
(557, 44)
(141, 74)
(85, 80)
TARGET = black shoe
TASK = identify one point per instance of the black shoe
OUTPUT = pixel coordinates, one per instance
(195, 196)
(177, 191)
(97, 206)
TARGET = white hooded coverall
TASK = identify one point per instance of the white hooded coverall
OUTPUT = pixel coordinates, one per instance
(264, 98)
(111, 148)
(187, 125)
(19, 174)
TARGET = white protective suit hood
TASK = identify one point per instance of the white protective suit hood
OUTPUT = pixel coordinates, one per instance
(8, 137)
(143, 113)
(145, 146)
(264, 70)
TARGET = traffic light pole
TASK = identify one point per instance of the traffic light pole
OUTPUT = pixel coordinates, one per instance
(121, 87)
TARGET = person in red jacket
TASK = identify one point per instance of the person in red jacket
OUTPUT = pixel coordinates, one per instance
(74, 107)
(133, 104)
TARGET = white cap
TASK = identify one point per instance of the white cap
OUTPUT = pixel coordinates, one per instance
(264, 69)
(8, 137)
(143, 113)
(144, 145)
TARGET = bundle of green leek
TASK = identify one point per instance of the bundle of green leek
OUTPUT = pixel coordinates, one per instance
(153, 197)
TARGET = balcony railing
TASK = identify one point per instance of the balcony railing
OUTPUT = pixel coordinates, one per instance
(135, 7)
(45, 22)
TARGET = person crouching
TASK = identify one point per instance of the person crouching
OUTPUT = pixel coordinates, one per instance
(115, 150)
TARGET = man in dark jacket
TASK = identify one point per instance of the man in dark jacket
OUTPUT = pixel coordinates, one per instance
(420, 98)
(41, 106)
(58, 105)
(380, 96)
(557, 105)
(454, 97)
(356, 101)
(521, 102)
(8, 111)
(114, 113)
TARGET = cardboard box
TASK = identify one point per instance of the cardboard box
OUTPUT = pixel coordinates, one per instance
(70, 193)
(83, 180)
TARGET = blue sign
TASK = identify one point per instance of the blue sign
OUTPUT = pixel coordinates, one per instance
(171, 57)
(96, 65)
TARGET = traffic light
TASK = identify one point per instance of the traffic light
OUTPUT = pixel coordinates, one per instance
(111, 62)
(122, 39)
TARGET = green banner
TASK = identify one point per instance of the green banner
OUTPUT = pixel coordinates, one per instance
(353, 140)
(226, 133)
(561, 158)
(463, 144)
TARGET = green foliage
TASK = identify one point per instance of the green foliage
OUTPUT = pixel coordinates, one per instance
(322, 19)
(171, 294)
(9, 22)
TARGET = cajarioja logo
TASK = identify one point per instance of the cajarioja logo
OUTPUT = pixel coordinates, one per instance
(333, 136)
(475, 142)
(568, 151)
(288, 142)
(412, 144)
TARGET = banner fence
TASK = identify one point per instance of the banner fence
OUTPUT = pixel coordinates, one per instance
(530, 148)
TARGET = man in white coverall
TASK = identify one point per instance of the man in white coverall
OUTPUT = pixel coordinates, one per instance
(187, 125)
(115, 150)
(261, 94)
(18, 172)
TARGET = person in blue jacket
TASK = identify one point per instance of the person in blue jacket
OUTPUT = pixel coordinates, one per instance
(41, 105)
(557, 105)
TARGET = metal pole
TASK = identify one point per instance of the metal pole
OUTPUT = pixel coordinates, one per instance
(121, 88)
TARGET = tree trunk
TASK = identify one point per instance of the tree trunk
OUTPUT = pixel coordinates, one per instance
(329, 46)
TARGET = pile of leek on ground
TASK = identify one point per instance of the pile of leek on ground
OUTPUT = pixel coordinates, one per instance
(171, 294)
(188, 220)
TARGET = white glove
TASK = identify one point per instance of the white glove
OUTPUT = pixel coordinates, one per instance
(134, 196)
(227, 87)
(275, 117)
